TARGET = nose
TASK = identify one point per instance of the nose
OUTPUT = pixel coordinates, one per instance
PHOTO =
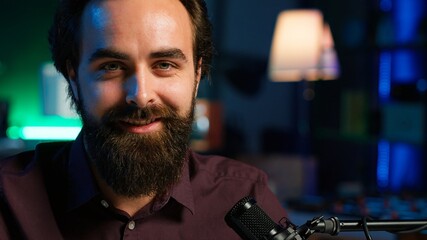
(139, 91)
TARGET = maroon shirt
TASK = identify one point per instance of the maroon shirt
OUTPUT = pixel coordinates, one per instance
(50, 193)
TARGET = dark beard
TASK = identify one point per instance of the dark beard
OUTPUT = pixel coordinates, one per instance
(132, 164)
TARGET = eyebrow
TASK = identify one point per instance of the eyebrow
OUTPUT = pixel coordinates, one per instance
(111, 53)
(108, 53)
(169, 53)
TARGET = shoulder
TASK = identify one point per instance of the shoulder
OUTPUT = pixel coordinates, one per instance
(223, 167)
(26, 194)
(224, 181)
(17, 163)
(25, 161)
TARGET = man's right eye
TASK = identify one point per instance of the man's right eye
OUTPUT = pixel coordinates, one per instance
(111, 67)
(110, 70)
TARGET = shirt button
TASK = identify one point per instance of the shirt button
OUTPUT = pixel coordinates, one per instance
(104, 203)
(131, 225)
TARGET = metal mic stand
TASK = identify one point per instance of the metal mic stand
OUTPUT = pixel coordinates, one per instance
(333, 226)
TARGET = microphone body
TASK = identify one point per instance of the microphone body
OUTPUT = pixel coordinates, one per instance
(248, 220)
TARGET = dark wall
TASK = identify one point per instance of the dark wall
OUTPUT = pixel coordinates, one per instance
(346, 116)
(23, 49)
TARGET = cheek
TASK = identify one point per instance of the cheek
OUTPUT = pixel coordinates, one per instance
(99, 97)
(180, 96)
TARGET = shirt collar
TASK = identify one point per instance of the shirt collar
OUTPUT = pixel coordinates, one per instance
(83, 186)
(81, 181)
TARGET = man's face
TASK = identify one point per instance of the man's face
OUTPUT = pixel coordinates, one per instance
(136, 85)
(136, 52)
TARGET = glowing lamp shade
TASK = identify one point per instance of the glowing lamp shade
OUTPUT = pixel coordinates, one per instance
(302, 48)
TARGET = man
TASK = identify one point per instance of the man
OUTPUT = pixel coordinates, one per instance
(133, 68)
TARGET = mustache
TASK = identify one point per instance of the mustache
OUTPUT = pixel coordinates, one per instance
(130, 112)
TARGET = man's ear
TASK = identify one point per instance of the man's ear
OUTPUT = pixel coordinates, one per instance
(72, 78)
(198, 75)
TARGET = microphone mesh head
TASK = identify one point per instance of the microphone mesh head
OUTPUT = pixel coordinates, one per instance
(250, 221)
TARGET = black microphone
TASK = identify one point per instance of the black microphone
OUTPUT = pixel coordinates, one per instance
(252, 223)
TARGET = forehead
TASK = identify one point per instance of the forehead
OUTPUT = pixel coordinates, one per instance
(102, 10)
(154, 19)
(96, 15)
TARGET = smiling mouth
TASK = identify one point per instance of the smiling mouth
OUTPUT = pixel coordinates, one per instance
(141, 126)
(139, 122)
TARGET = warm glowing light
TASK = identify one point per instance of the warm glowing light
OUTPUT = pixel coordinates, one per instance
(302, 48)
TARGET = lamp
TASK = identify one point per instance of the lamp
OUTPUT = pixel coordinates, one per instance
(302, 48)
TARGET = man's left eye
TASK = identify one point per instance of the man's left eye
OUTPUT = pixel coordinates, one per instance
(164, 65)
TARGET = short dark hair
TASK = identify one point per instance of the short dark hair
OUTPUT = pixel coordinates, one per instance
(65, 33)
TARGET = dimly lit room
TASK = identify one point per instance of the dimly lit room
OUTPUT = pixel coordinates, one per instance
(328, 98)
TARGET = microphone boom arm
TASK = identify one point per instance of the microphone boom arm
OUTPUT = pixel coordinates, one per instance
(333, 226)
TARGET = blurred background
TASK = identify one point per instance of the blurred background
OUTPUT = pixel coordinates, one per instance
(350, 146)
